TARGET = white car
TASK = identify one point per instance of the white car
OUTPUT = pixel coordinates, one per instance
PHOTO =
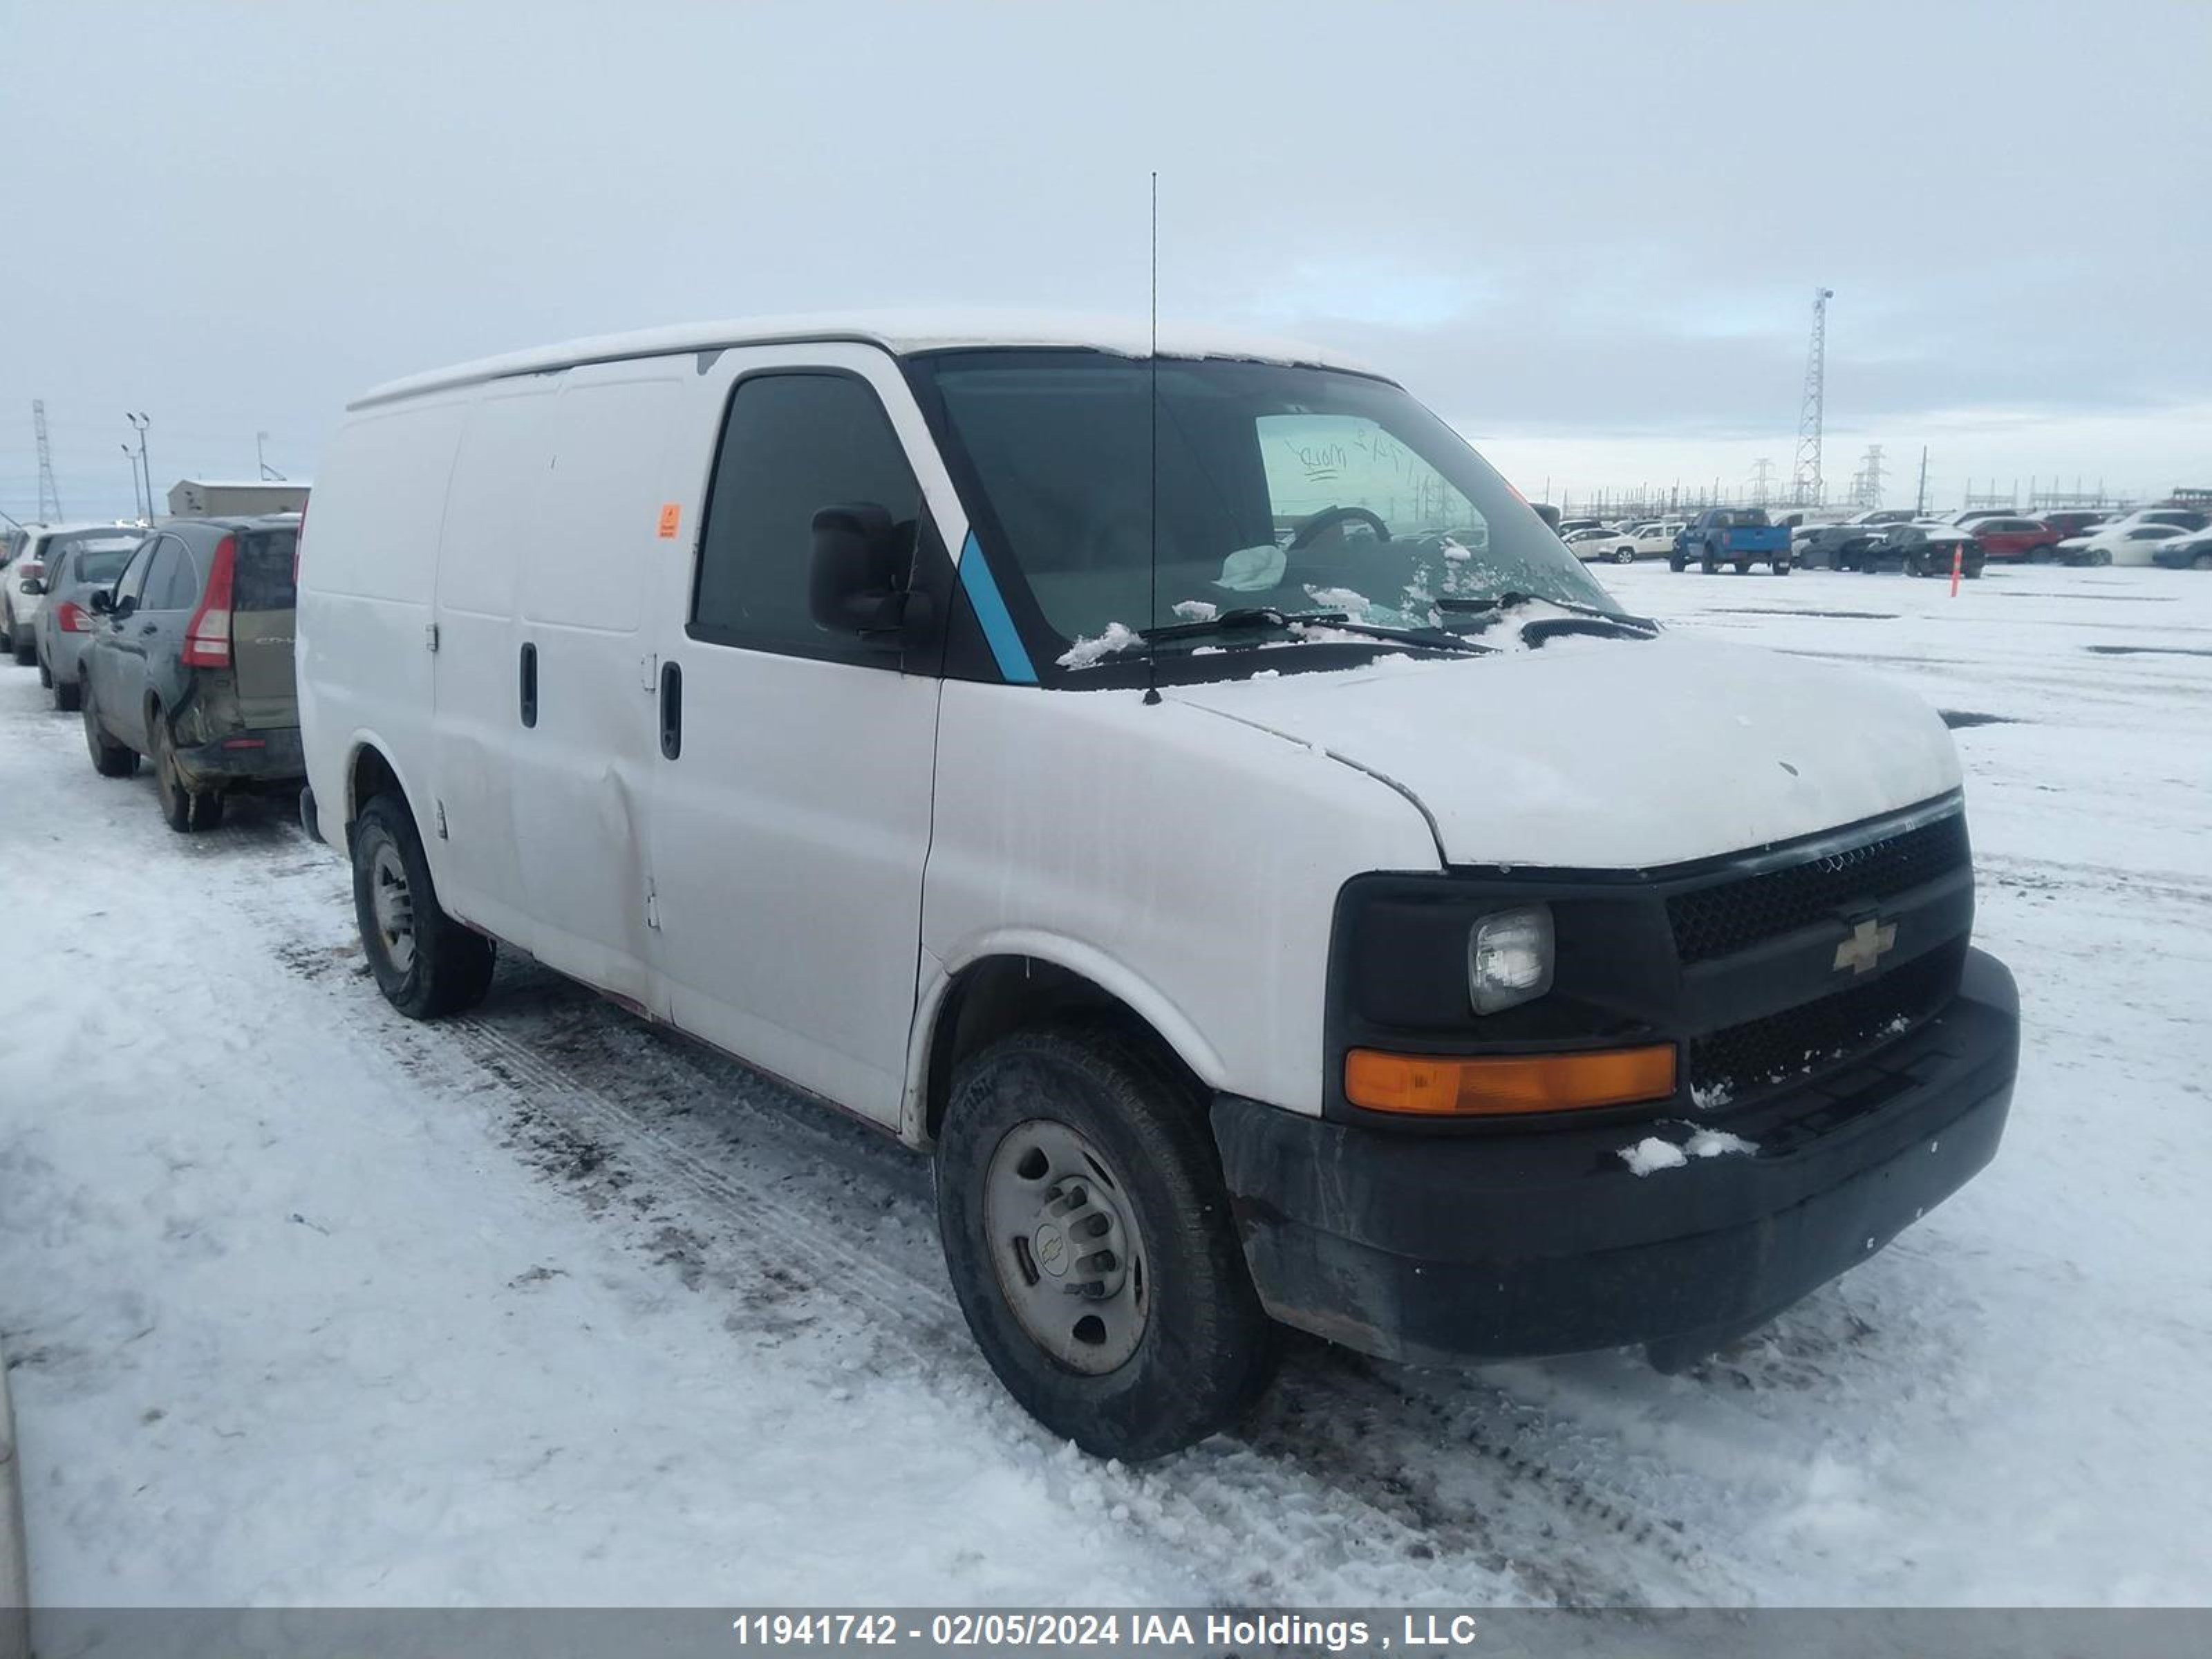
(1600, 543)
(1185, 892)
(1656, 541)
(2130, 543)
(2194, 519)
(22, 582)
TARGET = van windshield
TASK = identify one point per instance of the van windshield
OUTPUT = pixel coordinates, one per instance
(1299, 490)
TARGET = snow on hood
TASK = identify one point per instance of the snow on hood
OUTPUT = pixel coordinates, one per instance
(1614, 755)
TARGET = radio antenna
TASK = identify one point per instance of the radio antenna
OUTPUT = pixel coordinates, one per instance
(1152, 404)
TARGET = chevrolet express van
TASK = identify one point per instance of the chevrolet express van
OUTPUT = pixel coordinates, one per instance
(1193, 798)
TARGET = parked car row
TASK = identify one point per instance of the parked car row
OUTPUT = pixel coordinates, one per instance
(1897, 537)
(173, 644)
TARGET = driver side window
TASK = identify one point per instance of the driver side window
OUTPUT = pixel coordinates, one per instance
(1316, 462)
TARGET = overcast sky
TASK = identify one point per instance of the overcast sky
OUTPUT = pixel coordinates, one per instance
(1587, 234)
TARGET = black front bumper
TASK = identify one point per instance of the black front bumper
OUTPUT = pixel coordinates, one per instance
(1440, 1248)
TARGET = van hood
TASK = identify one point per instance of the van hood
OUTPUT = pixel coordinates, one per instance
(1598, 754)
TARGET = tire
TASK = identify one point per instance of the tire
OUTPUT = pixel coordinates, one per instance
(1676, 563)
(1781, 567)
(109, 759)
(2201, 561)
(1624, 555)
(1708, 564)
(175, 800)
(26, 650)
(68, 695)
(45, 674)
(2100, 558)
(426, 963)
(1191, 1348)
(185, 810)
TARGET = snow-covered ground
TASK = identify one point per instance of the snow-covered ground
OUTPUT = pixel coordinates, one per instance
(306, 1304)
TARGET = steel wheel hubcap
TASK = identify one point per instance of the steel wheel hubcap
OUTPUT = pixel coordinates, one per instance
(392, 905)
(1066, 1248)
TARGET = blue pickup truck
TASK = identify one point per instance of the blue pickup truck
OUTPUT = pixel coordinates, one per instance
(1738, 536)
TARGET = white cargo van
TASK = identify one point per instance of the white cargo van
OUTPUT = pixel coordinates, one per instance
(1194, 797)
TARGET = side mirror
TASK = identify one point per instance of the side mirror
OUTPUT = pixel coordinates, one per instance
(102, 602)
(35, 583)
(124, 606)
(853, 579)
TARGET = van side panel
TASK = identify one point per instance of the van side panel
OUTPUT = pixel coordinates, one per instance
(366, 575)
(582, 774)
(490, 520)
(1190, 862)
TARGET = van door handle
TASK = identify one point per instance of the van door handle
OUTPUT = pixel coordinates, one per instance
(671, 710)
(148, 627)
(529, 684)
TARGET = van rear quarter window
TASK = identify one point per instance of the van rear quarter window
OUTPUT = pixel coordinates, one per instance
(791, 445)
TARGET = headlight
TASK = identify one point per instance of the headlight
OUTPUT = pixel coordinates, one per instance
(1508, 958)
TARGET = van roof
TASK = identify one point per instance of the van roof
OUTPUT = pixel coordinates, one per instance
(899, 332)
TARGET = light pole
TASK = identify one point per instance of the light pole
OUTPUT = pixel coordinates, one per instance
(267, 470)
(137, 499)
(138, 424)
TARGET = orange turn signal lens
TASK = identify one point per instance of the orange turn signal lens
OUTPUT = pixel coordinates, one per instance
(1461, 1085)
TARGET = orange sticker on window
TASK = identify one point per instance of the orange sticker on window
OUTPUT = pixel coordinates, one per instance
(670, 516)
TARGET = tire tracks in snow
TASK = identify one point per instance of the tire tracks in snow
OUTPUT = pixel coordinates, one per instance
(1349, 1485)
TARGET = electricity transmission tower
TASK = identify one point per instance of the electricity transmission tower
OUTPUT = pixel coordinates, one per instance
(1804, 484)
(1866, 483)
(50, 497)
(1762, 481)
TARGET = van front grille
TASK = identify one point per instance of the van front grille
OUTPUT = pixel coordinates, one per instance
(1799, 1042)
(1733, 915)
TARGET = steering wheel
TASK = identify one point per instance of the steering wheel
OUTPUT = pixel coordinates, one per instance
(1329, 518)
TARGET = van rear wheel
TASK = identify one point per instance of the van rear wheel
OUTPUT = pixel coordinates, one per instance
(426, 963)
(1088, 1236)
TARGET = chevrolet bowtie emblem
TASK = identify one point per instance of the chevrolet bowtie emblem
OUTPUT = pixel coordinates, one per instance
(1865, 946)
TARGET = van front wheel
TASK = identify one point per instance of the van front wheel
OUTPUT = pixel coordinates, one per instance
(1088, 1236)
(426, 963)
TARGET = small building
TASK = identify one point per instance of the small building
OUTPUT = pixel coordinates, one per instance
(205, 498)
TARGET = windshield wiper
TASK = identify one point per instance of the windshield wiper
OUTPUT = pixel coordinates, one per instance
(1465, 604)
(1242, 616)
(1264, 616)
